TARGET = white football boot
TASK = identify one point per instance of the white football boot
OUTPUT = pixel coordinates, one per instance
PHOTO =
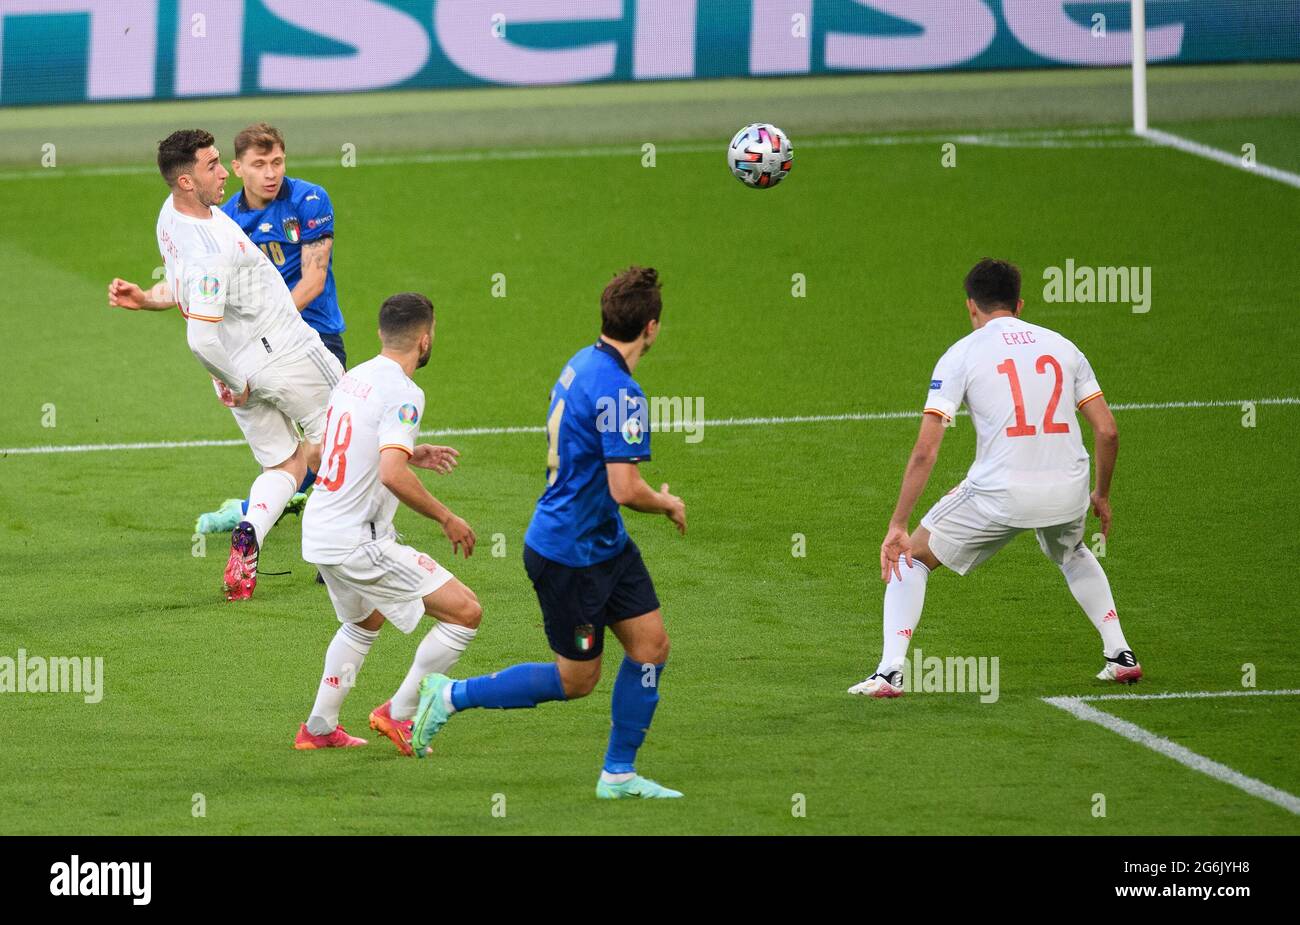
(889, 684)
(1123, 668)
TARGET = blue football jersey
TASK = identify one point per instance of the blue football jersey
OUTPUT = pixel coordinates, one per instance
(301, 213)
(598, 414)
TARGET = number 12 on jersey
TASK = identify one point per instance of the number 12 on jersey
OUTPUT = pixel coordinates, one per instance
(1022, 426)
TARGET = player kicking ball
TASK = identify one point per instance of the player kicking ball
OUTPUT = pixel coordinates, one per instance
(347, 530)
(1030, 472)
(266, 364)
(587, 572)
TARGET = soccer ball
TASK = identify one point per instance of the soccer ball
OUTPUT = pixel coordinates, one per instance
(760, 155)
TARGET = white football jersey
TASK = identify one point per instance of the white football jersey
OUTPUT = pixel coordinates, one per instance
(1022, 384)
(217, 274)
(374, 406)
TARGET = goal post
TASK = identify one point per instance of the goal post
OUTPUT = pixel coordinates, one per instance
(1138, 26)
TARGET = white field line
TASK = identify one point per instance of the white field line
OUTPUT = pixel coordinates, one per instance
(1191, 695)
(1059, 138)
(675, 427)
(1184, 756)
(1223, 157)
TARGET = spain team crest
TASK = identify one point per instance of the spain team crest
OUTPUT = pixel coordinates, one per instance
(290, 226)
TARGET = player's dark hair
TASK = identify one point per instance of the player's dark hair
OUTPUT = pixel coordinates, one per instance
(179, 150)
(260, 135)
(404, 317)
(630, 302)
(994, 285)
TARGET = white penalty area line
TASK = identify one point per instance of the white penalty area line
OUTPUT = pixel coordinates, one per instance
(1226, 158)
(1053, 138)
(677, 427)
(1184, 756)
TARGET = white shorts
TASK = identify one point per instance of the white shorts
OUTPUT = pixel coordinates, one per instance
(286, 395)
(384, 576)
(961, 536)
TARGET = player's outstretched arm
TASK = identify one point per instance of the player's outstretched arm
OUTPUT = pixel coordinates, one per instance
(1105, 436)
(627, 488)
(919, 466)
(398, 478)
(124, 294)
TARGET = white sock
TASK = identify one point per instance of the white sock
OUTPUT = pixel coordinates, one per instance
(1088, 584)
(343, 659)
(438, 651)
(271, 491)
(903, 602)
(608, 778)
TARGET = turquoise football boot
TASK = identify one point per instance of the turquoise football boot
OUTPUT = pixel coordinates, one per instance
(638, 786)
(223, 519)
(431, 714)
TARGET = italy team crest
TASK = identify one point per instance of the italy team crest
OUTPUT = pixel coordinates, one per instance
(290, 226)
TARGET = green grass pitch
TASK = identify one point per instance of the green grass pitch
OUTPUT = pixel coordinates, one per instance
(203, 697)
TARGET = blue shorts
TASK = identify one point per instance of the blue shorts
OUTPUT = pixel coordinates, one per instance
(578, 603)
(334, 344)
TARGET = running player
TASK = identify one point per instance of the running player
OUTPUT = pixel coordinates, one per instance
(266, 364)
(587, 572)
(347, 530)
(1030, 472)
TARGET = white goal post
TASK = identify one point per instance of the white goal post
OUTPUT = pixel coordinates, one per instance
(1138, 26)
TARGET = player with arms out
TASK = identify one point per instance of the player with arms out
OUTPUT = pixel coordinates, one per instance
(292, 221)
(347, 530)
(1030, 472)
(587, 572)
(266, 364)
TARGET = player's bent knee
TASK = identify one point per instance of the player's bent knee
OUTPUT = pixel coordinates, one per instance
(455, 603)
(295, 465)
(655, 652)
(579, 678)
(471, 612)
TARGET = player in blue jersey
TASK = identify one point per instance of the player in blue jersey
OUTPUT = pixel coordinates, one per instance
(587, 572)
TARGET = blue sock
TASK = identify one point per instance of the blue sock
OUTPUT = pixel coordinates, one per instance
(307, 480)
(636, 694)
(518, 686)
